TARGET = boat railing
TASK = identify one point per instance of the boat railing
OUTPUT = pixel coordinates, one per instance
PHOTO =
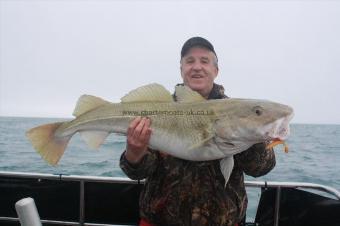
(122, 180)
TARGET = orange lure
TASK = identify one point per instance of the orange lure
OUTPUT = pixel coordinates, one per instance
(276, 142)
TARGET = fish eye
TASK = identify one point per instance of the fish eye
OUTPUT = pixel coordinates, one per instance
(258, 110)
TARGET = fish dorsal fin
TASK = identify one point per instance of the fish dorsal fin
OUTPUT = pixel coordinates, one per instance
(148, 93)
(87, 103)
(185, 95)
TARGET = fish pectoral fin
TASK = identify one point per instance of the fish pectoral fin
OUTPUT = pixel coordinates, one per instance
(94, 138)
(148, 93)
(231, 148)
(185, 95)
(87, 103)
(200, 143)
(223, 144)
(227, 165)
(226, 145)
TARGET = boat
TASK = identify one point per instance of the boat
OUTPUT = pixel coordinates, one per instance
(103, 201)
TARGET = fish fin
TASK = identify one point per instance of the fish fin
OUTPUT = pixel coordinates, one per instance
(43, 139)
(223, 144)
(186, 95)
(148, 93)
(94, 138)
(201, 142)
(87, 103)
(231, 148)
(201, 136)
(227, 165)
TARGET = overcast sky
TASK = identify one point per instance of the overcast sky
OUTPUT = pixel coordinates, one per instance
(52, 52)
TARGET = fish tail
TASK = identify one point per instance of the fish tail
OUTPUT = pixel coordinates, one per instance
(44, 141)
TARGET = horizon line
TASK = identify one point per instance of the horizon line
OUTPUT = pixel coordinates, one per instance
(70, 117)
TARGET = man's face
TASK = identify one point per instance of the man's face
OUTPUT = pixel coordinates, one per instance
(199, 70)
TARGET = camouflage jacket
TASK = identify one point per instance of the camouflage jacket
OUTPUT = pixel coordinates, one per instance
(184, 193)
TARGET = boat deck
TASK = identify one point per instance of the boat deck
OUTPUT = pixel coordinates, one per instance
(99, 201)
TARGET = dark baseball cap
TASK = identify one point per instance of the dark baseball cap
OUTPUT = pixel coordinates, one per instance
(196, 42)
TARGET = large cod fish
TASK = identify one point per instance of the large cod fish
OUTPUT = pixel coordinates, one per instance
(192, 128)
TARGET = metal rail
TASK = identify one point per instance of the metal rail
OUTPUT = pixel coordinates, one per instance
(273, 184)
(119, 180)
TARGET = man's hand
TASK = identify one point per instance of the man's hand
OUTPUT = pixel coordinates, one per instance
(138, 136)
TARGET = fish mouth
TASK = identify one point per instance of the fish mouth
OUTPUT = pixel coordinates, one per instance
(278, 132)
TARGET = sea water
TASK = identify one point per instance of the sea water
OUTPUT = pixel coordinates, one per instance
(314, 155)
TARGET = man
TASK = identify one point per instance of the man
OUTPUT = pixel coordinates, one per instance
(179, 192)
